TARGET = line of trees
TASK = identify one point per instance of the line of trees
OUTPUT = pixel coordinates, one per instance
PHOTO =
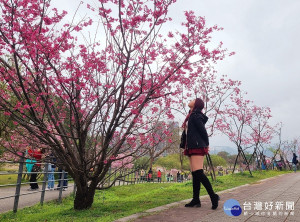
(105, 101)
(90, 102)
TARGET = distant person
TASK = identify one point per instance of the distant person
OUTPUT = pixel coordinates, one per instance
(274, 165)
(171, 177)
(185, 176)
(178, 176)
(295, 162)
(196, 145)
(51, 169)
(29, 163)
(168, 177)
(264, 163)
(279, 165)
(159, 176)
(142, 174)
(263, 166)
(150, 172)
(136, 176)
(37, 156)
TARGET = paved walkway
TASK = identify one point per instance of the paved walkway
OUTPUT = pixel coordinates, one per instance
(30, 199)
(282, 189)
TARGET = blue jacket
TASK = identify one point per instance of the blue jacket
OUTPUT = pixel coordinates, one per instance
(30, 164)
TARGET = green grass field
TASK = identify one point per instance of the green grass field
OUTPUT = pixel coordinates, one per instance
(8, 179)
(121, 201)
(11, 177)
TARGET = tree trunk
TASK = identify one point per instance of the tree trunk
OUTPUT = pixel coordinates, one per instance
(84, 199)
(181, 161)
(85, 193)
(151, 162)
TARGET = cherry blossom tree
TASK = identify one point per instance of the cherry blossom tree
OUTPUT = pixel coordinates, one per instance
(279, 150)
(160, 139)
(295, 146)
(90, 102)
(287, 149)
(122, 162)
(233, 122)
(260, 131)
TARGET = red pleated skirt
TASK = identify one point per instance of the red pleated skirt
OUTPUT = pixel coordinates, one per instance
(196, 152)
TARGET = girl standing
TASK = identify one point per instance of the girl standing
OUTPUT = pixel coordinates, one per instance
(196, 145)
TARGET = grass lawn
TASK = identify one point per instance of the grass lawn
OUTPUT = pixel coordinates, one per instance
(121, 201)
(11, 177)
(8, 179)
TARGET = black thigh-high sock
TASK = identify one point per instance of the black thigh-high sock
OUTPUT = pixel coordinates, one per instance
(204, 180)
(196, 186)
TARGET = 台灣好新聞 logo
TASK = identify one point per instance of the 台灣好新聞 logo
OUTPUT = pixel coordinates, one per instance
(232, 207)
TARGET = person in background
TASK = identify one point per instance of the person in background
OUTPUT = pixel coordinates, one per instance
(51, 169)
(274, 165)
(136, 176)
(178, 176)
(171, 177)
(181, 176)
(150, 172)
(168, 177)
(264, 163)
(159, 176)
(37, 156)
(196, 145)
(279, 165)
(142, 174)
(29, 163)
(295, 162)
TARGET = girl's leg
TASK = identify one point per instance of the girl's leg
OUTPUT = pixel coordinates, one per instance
(196, 188)
(190, 163)
(197, 164)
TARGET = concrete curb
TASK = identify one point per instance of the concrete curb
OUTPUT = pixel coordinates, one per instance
(175, 204)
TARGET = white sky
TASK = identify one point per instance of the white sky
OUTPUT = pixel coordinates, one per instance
(265, 36)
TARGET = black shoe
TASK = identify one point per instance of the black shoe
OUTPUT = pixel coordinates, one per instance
(215, 201)
(193, 203)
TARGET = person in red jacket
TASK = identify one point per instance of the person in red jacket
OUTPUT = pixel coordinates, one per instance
(36, 155)
(159, 176)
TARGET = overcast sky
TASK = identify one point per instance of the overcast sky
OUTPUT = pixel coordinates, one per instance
(265, 36)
